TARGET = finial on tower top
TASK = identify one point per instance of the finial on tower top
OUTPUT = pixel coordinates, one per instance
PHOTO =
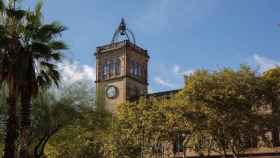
(123, 33)
(122, 27)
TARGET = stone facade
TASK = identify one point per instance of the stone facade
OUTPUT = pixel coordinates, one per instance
(129, 76)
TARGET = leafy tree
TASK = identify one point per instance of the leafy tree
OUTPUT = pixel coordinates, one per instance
(129, 137)
(216, 112)
(66, 123)
(50, 115)
(144, 127)
(229, 98)
(86, 135)
(271, 93)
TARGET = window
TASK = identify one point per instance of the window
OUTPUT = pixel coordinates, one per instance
(250, 141)
(139, 70)
(103, 71)
(178, 144)
(131, 67)
(118, 67)
(111, 68)
(134, 69)
(145, 72)
(107, 70)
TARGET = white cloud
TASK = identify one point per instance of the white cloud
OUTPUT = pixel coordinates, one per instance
(162, 82)
(170, 77)
(265, 63)
(178, 71)
(74, 71)
(150, 90)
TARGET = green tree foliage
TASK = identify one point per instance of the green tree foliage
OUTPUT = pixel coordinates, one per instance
(85, 135)
(216, 112)
(229, 98)
(50, 115)
(67, 123)
(271, 97)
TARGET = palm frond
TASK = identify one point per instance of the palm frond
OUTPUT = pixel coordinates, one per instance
(58, 45)
(16, 13)
(40, 49)
(56, 27)
(56, 56)
(46, 32)
(37, 40)
(43, 79)
(32, 21)
(2, 5)
(50, 70)
(49, 66)
(48, 74)
(38, 8)
(55, 76)
(47, 51)
(34, 18)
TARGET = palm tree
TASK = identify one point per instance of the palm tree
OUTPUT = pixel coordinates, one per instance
(29, 53)
(9, 47)
(41, 52)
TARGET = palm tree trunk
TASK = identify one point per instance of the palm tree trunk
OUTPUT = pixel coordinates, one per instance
(11, 131)
(25, 123)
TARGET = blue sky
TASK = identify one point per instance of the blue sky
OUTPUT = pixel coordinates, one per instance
(180, 35)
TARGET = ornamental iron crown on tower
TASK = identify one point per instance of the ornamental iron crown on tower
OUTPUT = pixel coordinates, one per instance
(123, 33)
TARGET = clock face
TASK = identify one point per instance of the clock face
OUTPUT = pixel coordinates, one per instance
(111, 92)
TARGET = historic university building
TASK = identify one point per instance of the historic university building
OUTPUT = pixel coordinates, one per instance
(121, 68)
(122, 75)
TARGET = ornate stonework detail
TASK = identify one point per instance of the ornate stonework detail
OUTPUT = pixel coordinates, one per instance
(123, 33)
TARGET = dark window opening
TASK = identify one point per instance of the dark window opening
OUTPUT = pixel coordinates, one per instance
(178, 144)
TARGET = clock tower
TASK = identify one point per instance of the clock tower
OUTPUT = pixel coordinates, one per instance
(121, 69)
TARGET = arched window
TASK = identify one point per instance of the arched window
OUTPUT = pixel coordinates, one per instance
(131, 67)
(139, 70)
(118, 67)
(134, 69)
(105, 70)
(111, 68)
